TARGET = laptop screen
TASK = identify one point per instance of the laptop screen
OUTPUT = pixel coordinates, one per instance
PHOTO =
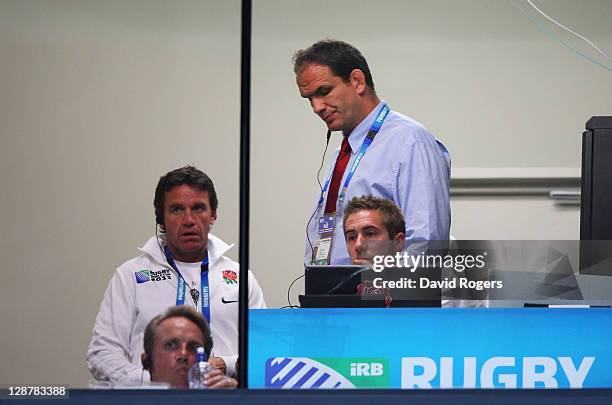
(333, 280)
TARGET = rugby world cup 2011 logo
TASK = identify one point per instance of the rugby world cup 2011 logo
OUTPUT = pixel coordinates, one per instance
(326, 373)
(142, 276)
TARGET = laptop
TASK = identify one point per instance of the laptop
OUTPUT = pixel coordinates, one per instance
(333, 280)
(336, 287)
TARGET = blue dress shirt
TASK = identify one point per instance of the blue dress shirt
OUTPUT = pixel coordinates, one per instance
(405, 164)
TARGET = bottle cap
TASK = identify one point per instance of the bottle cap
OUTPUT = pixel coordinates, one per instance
(200, 355)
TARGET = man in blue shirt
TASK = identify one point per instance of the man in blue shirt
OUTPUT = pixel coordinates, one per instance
(383, 153)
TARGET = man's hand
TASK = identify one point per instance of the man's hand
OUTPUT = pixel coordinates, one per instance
(218, 363)
(217, 379)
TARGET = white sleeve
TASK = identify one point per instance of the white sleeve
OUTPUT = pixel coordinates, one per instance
(256, 298)
(108, 357)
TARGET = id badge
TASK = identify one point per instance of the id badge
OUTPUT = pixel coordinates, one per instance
(322, 253)
(322, 249)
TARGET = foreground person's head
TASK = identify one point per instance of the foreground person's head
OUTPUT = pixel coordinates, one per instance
(170, 344)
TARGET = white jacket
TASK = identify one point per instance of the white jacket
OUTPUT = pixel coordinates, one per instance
(117, 338)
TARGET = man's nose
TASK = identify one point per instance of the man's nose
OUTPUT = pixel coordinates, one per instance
(318, 106)
(183, 353)
(188, 219)
(360, 244)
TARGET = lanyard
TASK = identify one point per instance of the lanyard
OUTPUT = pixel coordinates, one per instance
(180, 293)
(380, 118)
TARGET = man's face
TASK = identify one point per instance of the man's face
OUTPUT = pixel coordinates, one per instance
(174, 351)
(337, 102)
(188, 217)
(366, 237)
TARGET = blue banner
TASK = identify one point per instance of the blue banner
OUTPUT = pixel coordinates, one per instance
(415, 348)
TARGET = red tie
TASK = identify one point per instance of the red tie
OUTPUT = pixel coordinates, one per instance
(334, 185)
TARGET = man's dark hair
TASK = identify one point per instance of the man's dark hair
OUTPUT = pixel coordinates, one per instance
(181, 311)
(185, 175)
(340, 57)
(390, 214)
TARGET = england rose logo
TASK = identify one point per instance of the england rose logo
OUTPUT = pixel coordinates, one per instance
(230, 277)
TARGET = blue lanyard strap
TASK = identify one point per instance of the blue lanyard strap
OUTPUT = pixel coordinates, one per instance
(205, 289)
(182, 284)
(380, 118)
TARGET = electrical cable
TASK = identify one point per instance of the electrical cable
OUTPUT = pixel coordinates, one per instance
(554, 36)
(289, 290)
(567, 29)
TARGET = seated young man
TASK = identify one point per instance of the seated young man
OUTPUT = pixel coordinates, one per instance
(373, 226)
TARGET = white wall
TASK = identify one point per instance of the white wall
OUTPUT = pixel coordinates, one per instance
(100, 98)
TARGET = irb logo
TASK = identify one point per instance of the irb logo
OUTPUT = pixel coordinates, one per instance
(366, 369)
(327, 372)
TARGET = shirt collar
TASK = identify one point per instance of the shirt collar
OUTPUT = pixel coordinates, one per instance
(359, 133)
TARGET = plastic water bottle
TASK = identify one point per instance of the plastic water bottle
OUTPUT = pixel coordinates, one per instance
(198, 371)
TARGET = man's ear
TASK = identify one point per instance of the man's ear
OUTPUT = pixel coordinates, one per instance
(213, 217)
(146, 361)
(398, 241)
(357, 80)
